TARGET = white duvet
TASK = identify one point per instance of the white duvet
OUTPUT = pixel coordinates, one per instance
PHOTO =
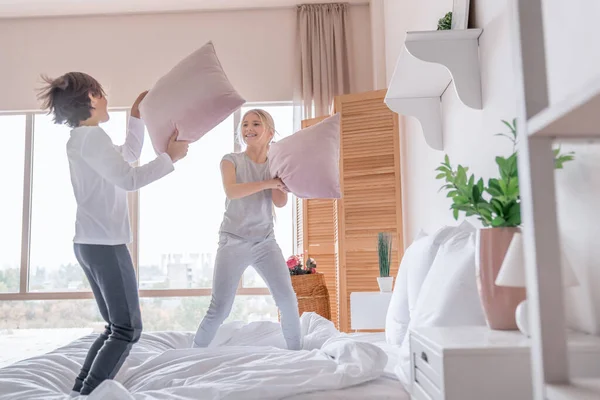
(245, 361)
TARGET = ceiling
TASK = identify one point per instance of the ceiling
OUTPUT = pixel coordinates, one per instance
(45, 8)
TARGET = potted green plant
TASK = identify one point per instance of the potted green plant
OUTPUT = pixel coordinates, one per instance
(445, 23)
(384, 250)
(498, 206)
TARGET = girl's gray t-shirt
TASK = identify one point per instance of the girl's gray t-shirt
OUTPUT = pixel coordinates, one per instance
(250, 217)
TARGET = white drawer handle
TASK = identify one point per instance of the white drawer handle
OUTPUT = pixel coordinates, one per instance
(424, 357)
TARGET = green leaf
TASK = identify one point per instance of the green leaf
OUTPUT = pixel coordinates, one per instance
(461, 175)
(497, 206)
(505, 135)
(455, 213)
(461, 200)
(485, 214)
(476, 194)
(502, 167)
(447, 159)
(494, 188)
(515, 219)
(512, 189)
(513, 214)
(503, 186)
(485, 206)
(498, 221)
(512, 208)
(440, 176)
(452, 193)
(464, 207)
(512, 167)
(509, 125)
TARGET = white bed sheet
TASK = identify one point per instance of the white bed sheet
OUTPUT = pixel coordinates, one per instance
(245, 361)
(387, 387)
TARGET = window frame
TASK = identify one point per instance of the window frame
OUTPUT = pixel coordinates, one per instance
(134, 210)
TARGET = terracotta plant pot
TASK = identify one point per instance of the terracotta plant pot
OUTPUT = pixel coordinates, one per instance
(499, 303)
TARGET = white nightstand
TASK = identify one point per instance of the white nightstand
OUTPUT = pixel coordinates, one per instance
(476, 363)
(369, 309)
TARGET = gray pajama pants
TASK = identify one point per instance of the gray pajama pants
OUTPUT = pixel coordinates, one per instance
(111, 275)
(233, 257)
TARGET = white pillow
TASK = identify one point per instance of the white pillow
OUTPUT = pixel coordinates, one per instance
(418, 271)
(449, 295)
(194, 97)
(398, 317)
(412, 272)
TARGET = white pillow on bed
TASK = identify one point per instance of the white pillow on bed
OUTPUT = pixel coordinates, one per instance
(449, 295)
(417, 272)
(414, 267)
(398, 316)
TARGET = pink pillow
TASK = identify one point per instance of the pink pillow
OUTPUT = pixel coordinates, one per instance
(195, 96)
(308, 162)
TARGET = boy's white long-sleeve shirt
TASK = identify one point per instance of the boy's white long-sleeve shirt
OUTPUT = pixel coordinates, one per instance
(101, 176)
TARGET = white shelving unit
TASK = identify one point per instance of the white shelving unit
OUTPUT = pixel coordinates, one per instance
(425, 68)
(576, 117)
(580, 389)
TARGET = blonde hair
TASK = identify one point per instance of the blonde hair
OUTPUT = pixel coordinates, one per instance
(265, 118)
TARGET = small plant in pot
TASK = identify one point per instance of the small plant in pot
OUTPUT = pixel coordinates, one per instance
(445, 23)
(497, 206)
(384, 250)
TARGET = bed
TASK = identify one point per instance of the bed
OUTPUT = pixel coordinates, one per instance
(245, 361)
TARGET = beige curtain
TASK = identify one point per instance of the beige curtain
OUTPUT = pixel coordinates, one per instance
(323, 67)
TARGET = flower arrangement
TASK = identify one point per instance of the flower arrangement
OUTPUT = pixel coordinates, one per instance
(297, 267)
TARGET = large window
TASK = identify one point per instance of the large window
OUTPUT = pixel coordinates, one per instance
(12, 129)
(180, 216)
(175, 221)
(53, 267)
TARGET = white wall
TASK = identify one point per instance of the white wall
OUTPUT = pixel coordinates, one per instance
(127, 53)
(468, 134)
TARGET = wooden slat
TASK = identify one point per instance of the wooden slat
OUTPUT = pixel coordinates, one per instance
(371, 202)
(299, 224)
(318, 237)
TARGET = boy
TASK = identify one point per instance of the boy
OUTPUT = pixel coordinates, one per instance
(101, 176)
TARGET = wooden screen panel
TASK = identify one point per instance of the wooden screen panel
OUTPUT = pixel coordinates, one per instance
(299, 225)
(316, 237)
(371, 203)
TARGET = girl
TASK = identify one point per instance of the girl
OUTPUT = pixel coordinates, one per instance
(246, 234)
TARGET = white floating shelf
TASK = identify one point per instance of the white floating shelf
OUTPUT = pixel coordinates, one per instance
(577, 116)
(427, 64)
(578, 389)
